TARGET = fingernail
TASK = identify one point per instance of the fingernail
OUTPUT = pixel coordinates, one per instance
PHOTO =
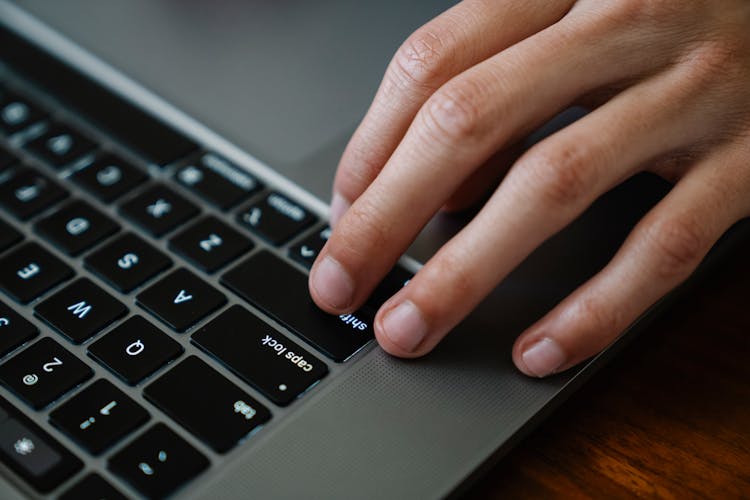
(333, 284)
(339, 206)
(544, 358)
(404, 326)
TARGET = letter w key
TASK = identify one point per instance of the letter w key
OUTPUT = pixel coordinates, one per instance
(80, 310)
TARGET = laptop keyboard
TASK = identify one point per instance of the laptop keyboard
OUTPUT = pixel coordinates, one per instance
(181, 276)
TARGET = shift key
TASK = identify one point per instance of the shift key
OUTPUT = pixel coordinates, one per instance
(261, 356)
(281, 291)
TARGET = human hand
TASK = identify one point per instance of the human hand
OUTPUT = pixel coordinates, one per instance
(669, 81)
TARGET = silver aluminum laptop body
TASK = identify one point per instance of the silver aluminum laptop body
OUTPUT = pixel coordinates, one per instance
(277, 87)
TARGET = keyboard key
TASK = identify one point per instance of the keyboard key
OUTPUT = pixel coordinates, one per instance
(28, 192)
(159, 210)
(158, 462)
(217, 181)
(75, 227)
(225, 413)
(261, 356)
(17, 113)
(118, 116)
(33, 454)
(109, 177)
(43, 372)
(14, 330)
(92, 487)
(276, 218)
(80, 310)
(8, 236)
(181, 299)
(210, 244)
(281, 291)
(29, 271)
(394, 281)
(60, 145)
(127, 262)
(306, 251)
(134, 350)
(99, 416)
(6, 159)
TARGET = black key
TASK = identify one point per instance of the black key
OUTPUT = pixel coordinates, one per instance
(43, 372)
(14, 330)
(210, 244)
(92, 487)
(109, 177)
(80, 310)
(60, 145)
(276, 218)
(158, 462)
(218, 181)
(99, 416)
(8, 236)
(76, 227)
(127, 262)
(30, 270)
(394, 281)
(181, 299)
(141, 131)
(32, 453)
(17, 113)
(306, 251)
(204, 402)
(28, 192)
(281, 291)
(159, 210)
(134, 350)
(6, 159)
(260, 355)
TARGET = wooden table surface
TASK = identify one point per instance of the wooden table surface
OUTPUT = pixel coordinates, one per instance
(669, 417)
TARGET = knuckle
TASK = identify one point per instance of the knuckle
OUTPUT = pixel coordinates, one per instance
(363, 235)
(712, 58)
(602, 322)
(421, 62)
(562, 177)
(446, 280)
(645, 12)
(679, 245)
(454, 113)
(360, 168)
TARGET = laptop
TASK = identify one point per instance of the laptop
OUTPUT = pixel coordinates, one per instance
(164, 171)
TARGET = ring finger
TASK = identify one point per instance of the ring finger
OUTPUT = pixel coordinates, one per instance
(663, 249)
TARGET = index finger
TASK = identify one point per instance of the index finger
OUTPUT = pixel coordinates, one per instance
(463, 36)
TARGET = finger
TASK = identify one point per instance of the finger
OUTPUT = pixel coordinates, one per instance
(454, 133)
(480, 184)
(546, 189)
(463, 36)
(661, 252)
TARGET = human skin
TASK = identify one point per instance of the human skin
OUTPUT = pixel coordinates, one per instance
(668, 85)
